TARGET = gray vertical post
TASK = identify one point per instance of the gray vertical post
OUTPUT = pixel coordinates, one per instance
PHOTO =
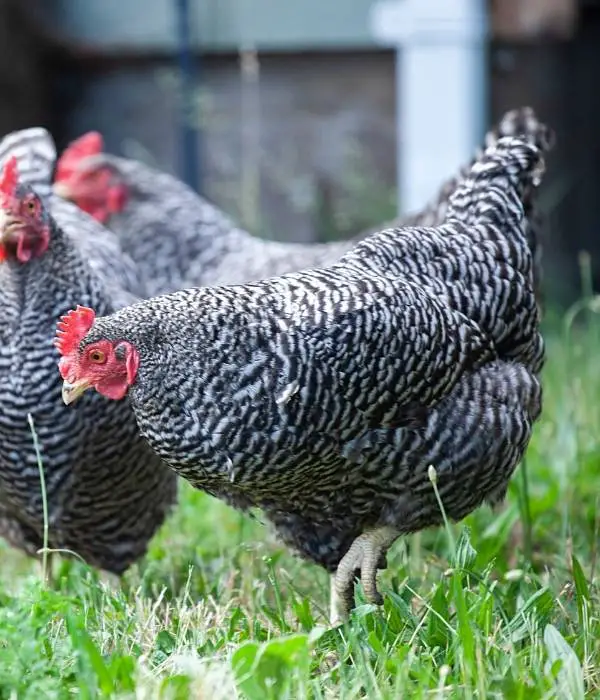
(440, 88)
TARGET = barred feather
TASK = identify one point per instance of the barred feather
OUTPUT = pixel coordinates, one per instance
(324, 395)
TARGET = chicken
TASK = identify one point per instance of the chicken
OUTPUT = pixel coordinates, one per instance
(179, 239)
(324, 396)
(107, 491)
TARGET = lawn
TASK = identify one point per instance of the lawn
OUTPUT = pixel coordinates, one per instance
(502, 605)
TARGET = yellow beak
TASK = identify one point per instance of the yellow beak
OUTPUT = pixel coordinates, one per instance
(10, 226)
(71, 392)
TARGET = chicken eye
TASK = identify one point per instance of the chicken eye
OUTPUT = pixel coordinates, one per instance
(98, 357)
(30, 206)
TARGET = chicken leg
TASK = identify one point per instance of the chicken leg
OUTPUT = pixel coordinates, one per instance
(366, 554)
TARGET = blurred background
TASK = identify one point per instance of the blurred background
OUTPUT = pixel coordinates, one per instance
(314, 120)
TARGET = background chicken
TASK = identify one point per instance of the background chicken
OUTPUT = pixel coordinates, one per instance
(180, 239)
(107, 491)
(323, 396)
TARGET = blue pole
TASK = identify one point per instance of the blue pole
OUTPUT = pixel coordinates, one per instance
(189, 130)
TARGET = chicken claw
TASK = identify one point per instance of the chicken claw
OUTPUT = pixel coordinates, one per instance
(366, 554)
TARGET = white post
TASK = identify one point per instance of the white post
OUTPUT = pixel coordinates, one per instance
(440, 88)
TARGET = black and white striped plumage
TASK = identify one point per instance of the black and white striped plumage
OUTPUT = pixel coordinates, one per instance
(521, 121)
(107, 491)
(323, 396)
(179, 239)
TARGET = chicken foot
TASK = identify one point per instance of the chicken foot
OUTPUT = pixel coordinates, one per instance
(366, 554)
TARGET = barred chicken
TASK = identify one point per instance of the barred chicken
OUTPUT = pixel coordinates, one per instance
(107, 491)
(324, 396)
(179, 239)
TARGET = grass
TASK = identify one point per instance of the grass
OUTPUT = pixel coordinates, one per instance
(503, 605)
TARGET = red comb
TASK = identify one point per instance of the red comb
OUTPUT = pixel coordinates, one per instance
(9, 178)
(90, 144)
(72, 327)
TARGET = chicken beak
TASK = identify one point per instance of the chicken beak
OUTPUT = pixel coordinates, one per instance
(10, 226)
(62, 190)
(71, 392)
